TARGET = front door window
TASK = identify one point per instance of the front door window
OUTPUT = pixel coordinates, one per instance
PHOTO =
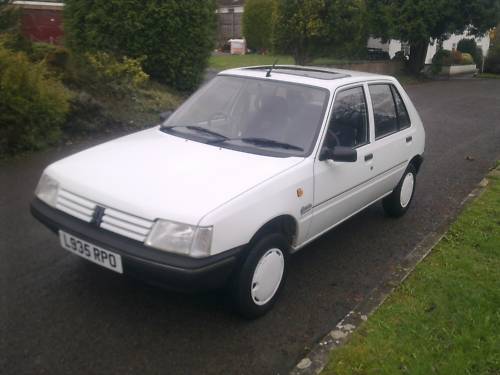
(349, 122)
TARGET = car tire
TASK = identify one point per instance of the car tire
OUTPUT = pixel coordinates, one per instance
(262, 275)
(397, 203)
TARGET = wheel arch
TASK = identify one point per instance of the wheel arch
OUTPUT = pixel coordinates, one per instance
(283, 224)
(416, 161)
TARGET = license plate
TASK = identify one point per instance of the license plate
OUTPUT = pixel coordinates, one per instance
(91, 252)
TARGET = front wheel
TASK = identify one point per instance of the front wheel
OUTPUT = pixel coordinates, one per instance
(261, 278)
(398, 202)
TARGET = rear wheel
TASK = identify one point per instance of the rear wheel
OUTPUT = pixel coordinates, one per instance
(262, 276)
(398, 202)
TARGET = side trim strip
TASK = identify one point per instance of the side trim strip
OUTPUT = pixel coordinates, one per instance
(362, 183)
(306, 242)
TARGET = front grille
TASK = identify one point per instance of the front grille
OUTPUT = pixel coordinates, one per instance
(75, 205)
(119, 222)
(125, 224)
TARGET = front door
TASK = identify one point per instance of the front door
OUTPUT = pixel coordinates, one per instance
(343, 188)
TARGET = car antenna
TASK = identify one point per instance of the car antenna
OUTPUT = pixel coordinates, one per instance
(268, 74)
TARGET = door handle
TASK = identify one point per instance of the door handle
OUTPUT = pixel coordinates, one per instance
(368, 157)
(409, 139)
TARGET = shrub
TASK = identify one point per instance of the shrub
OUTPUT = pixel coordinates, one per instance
(10, 21)
(257, 24)
(492, 63)
(470, 46)
(113, 72)
(467, 59)
(103, 74)
(56, 57)
(441, 58)
(456, 57)
(9, 17)
(174, 37)
(400, 56)
(33, 106)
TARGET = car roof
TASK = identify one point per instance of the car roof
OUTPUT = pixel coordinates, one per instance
(307, 75)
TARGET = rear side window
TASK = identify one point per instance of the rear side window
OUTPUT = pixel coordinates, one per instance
(403, 118)
(384, 110)
(389, 110)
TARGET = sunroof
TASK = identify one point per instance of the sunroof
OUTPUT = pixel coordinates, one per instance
(304, 72)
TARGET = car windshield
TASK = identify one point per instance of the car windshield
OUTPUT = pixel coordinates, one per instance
(252, 115)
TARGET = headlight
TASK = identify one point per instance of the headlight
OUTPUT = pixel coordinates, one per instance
(47, 190)
(180, 238)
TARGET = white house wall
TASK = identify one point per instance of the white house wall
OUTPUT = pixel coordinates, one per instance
(451, 44)
(394, 46)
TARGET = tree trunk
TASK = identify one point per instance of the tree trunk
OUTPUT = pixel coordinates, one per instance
(418, 52)
(301, 59)
(301, 52)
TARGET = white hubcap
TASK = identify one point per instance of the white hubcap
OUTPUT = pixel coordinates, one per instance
(407, 189)
(267, 276)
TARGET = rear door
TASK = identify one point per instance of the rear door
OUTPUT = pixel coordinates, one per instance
(393, 134)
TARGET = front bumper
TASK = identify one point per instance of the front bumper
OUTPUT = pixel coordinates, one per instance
(154, 266)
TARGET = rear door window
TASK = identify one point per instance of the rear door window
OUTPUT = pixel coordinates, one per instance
(384, 110)
(403, 118)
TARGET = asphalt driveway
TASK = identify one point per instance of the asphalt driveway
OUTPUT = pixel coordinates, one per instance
(62, 315)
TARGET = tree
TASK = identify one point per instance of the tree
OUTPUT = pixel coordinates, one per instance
(311, 28)
(175, 38)
(418, 22)
(492, 63)
(257, 24)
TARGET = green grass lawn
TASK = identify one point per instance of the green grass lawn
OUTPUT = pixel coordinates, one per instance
(221, 62)
(445, 318)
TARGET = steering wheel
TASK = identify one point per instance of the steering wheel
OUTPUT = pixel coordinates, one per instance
(331, 133)
(221, 115)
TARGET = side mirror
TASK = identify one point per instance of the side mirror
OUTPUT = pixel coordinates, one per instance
(165, 115)
(339, 153)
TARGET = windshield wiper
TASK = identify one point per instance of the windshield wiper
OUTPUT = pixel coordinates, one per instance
(264, 142)
(199, 129)
(271, 143)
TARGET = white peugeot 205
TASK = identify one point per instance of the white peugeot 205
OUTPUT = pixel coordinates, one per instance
(255, 165)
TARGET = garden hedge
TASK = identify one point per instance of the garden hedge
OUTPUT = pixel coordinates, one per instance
(174, 38)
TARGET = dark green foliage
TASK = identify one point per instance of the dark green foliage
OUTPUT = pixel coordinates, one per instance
(312, 28)
(419, 21)
(470, 46)
(10, 21)
(103, 74)
(257, 24)
(400, 56)
(9, 17)
(33, 106)
(56, 57)
(492, 64)
(441, 58)
(174, 38)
